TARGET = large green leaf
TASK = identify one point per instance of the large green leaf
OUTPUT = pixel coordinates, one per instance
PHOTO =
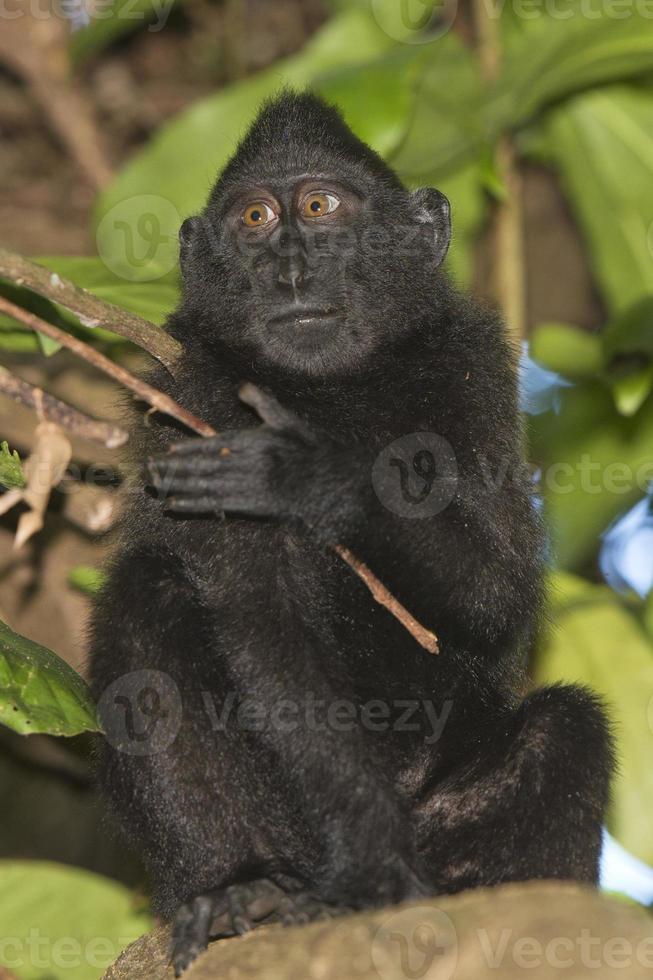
(595, 465)
(61, 923)
(595, 640)
(39, 692)
(602, 144)
(547, 57)
(447, 128)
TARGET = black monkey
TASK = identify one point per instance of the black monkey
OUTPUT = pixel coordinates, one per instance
(312, 755)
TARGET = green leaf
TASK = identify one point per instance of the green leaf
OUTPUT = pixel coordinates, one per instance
(602, 144)
(111, 21)
(62, 923)
(87, 579)
(595, 465)
(11, 471)
(447, 128)
(631, 332)
(631, 389)
(457, 117)
(39, 692)
(628, 352)
(550, 57)
(567, 349)
(596, 641)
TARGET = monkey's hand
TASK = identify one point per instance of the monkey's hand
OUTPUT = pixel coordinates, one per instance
(282, 470)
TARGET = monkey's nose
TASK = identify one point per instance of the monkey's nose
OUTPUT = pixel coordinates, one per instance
(292, 272)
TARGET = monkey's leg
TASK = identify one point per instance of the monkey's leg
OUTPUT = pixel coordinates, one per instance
(192, 790)
(236, 910)
(365, 853)
(532, 805)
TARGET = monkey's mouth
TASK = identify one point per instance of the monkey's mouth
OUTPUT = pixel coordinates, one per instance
(304, 316)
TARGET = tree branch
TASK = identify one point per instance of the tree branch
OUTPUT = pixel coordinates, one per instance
(509, 265)
(157, 399)
(90, 310)
(53, 410)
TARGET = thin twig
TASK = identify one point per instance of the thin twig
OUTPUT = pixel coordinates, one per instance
(509, 262)
(157, 399)
(91, 311)
(53, 410)
(424, 637)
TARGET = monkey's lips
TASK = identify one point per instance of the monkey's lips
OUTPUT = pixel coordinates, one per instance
(305, 316)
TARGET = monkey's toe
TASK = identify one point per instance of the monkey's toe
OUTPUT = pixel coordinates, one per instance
(192, 928)
(262, 902)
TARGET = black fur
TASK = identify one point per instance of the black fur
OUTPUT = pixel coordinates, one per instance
(255, 605)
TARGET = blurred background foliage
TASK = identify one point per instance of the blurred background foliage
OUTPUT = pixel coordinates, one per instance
(439, 89)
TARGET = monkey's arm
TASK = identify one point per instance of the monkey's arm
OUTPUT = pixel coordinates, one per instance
(482, 551)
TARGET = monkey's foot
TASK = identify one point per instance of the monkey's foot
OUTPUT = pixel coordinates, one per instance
(263, 902)
(236, 910)
(191, 930)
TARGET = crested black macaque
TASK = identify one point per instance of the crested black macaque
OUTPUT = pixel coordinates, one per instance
(313, 755)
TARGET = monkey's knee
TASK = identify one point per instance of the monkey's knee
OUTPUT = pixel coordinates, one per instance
(559, 766)
(565, 727)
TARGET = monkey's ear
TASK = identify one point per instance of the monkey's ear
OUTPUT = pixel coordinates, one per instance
(188, 232)
(432, 208)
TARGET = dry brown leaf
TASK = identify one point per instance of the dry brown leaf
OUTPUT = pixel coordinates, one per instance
(44, 469)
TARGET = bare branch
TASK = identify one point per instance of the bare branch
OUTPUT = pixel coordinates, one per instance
(157, 399)
(53, 410)
(91, 311)
(509, 264)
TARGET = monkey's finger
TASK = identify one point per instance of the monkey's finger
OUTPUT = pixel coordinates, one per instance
(222, 445)
(196, 445)
(193, 505)
(267, 406)
(194, 486)
(165, 468)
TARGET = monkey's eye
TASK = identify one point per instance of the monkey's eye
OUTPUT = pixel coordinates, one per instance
(318, 204)
(258, 215)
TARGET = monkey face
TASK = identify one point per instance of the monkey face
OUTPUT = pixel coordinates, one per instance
(311, 255)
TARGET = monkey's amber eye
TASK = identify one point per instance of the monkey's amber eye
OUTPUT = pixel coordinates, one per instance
(318, 204)
(258, 215)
